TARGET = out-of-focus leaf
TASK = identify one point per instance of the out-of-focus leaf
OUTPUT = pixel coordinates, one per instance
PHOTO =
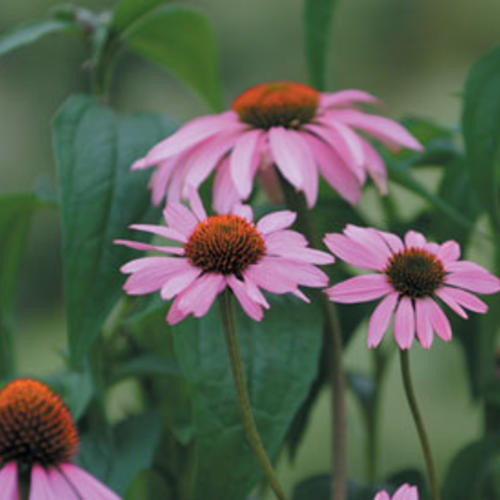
(318, 18)
(363, 387)
(29, 33)
(481, 128)
(147, 364)
(131, 451)
(471, 467)
(16, 211)
(100, 198)
(127, 12)
(281, 356)
(318, 488)
(180, 39)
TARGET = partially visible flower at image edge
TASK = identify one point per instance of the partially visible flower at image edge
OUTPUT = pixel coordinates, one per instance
(38, 435)
(411, 276)
(285, 124)
(404, 492)
(222, 251)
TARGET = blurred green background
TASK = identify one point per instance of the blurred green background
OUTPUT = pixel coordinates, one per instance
(412, 54)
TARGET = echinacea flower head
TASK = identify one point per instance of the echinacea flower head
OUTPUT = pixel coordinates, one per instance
(220, 251)
(405, 492)
(412, 278)
(284, 125)
(38, 437)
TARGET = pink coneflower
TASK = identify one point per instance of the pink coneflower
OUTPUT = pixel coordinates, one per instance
(288, 125)
(223, 251)
(405, 492)
(38, 436)
(411, 276)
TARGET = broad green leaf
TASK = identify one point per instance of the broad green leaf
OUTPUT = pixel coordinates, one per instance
(481, 128)
(130, 451)
(470, 469)
(180, 39)
(24, 35)
(281, 356)
(318, 18)
(100, 198)
(16, 211)
(127, 12)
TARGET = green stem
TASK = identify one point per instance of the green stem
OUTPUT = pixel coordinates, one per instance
(333, 344)
(419, 424)
(240, 384)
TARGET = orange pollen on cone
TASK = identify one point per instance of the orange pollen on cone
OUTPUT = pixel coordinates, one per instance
(35, 425)
(415, 272)
(225, 244)
(286, 104)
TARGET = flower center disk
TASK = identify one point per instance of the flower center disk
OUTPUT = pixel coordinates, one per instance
(286, 104)
(415, 272)
(35, 425)
(226, 244)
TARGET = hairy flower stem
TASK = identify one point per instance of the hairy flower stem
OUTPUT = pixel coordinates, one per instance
(333, 344)
(240, 384)
(419, 424)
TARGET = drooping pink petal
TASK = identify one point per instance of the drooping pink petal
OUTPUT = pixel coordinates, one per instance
(160, 178)
(138, 245)
(310, 255)
(9, 481)
(276, 221)
(149, 262)
(174, 190)
(332, 138)
(224, 195)
(423, 322)
(414, 239)
(288, 154)
(360, 289)
(439, 321)
(382, 495)
(310, 176)
(166, 232)
(87, 485)
(375, 167)
(202, 163)
(335, 171)
(380, 319)
(180, 218)
(385, 130)
(406, 492)
(250, 306)
(266, 275)
(370, 239)
(254, 292)
(284, 239)
(449, 300)
(352, 252)
(463, 298)
(346, 98)
(475, 281)
(196, 205)
(59, 485)
(244, 161)
(191, 134)
(404, 323)
(39, 487)
(301, 273)
(179, 281)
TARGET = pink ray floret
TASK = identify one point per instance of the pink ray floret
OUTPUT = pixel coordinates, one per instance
(219, 252)
(404, 492)
(283, 128)
(413, 279)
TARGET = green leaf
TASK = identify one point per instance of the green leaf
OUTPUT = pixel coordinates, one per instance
(24, 35)
(281, 356)
(147, 364)
(16, 211)
(481, 128)
(132, 450)
(318, 17)
(180, 39)
(100, 198)
(128, 12)
(318, 488)
(470, 469)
